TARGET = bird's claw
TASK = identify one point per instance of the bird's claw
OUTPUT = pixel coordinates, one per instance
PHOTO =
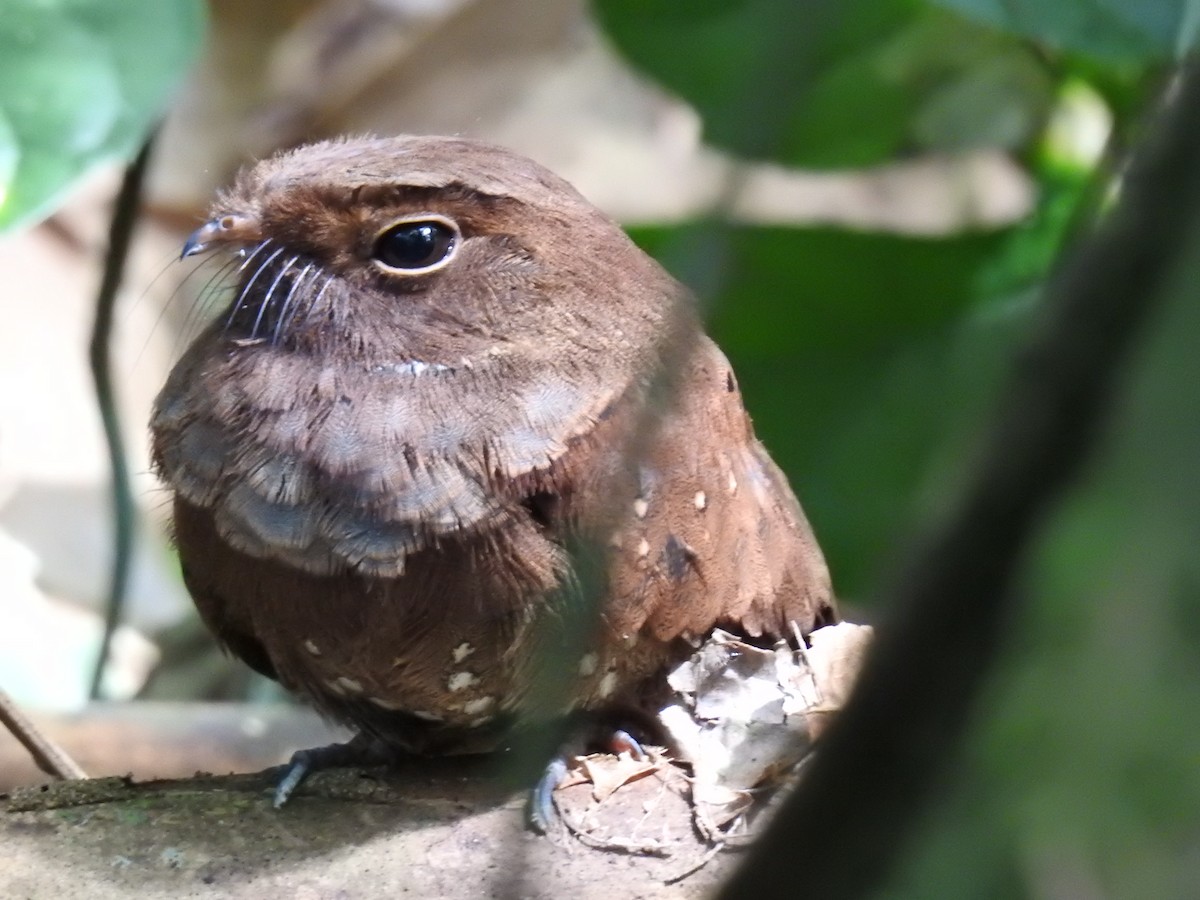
(542, 812)
(358, 751)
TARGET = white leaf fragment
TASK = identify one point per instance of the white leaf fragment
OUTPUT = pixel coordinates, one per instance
(744, 716)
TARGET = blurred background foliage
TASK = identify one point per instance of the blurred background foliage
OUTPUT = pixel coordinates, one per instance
(80, 83)
(869, 354)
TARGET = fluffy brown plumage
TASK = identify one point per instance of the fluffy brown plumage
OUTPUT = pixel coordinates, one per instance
(380, 468)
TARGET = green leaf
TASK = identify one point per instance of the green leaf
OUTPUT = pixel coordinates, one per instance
(81, 82)
(1112, 29)
(828, 83)
(9, 154)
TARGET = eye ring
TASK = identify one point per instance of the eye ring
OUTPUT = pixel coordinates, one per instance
(416, 245)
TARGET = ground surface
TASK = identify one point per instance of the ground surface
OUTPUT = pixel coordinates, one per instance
(447, 829)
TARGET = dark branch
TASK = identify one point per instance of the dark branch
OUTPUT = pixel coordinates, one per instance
(120, 231)
(50, 758)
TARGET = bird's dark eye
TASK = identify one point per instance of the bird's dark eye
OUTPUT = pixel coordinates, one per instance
(416, 245)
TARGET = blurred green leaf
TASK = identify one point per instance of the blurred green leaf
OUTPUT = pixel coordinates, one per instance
(81, 81)
(1114, 29)
(9, 155)
(825, 83)
(826, 290)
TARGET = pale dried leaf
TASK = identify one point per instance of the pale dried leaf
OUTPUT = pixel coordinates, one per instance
(608, 773)
(744, 716)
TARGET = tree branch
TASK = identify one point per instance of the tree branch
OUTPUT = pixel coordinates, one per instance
(50, 758)
(124, 217)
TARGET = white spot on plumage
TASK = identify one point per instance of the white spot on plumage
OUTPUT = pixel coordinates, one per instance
(354, 687)
(643, 548)
(312, 648)
(587, 665)
(412, 367)
(384, 704)
(479, 705)
(640, 507)
(427, 715)
(462, 651)
(460, 681)
(608, 684)
(732, 484)
(700, 500)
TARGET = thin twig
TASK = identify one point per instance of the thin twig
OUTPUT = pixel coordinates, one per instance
(877, 767)
(120, 231)
(50, 757)
(709, 855)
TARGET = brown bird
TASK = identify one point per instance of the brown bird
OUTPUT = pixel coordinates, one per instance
(450, 405)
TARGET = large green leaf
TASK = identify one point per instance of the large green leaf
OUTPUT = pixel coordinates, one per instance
(835, 82)
(1114, 29)
(81, 82)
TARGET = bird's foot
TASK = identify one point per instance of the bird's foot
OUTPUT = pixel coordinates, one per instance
(358, 751)
(542, 812)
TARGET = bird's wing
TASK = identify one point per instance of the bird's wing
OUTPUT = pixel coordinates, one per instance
(714, 535)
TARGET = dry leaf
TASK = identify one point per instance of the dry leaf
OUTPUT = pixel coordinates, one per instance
(608, 772)
(744, 716)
